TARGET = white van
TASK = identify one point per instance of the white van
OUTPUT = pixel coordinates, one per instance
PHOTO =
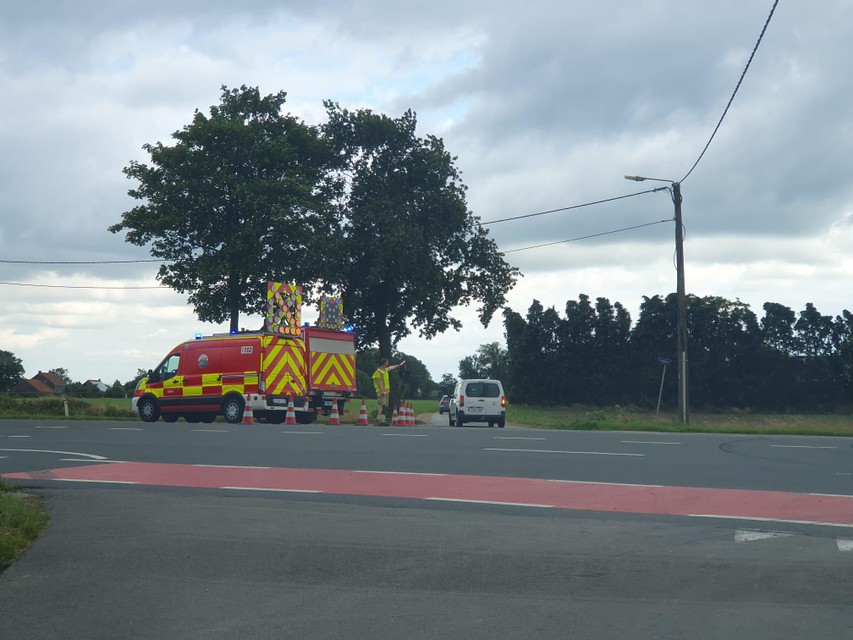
(478, 401)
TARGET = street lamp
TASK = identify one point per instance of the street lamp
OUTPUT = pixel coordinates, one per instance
(681, 296)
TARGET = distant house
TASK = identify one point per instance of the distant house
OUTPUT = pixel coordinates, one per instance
(42, 383)
(95, 384)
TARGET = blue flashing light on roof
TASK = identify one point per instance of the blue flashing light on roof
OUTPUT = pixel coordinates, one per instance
(350, 328)
(233, 332)
(198, 335)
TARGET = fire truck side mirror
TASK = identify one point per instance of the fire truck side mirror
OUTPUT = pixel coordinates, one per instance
(152, 376)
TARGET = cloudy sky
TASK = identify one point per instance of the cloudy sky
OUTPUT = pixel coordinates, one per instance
(546, 104)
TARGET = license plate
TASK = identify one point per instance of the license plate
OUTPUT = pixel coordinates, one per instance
(475, 410)
(279, 401)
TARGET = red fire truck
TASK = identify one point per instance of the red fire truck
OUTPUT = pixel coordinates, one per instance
(220, 374)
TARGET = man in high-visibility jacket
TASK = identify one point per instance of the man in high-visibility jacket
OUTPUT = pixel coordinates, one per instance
(382, 384)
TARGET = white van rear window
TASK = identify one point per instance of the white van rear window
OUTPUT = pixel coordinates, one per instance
(483, 390)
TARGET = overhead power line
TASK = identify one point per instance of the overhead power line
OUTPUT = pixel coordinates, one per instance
(734, 93)
(594, 235)
(79, 261)
(574, 206)
(70, 286)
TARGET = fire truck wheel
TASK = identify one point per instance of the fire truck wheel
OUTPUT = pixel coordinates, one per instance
(232, 409)
(148, 410)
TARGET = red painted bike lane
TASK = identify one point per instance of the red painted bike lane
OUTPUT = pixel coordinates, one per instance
(835, 510)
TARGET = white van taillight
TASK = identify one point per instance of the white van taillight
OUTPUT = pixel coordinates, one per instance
(461, 401)
(503, 401)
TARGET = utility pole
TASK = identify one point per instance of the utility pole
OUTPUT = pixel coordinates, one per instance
(681, 297)
(682, 305)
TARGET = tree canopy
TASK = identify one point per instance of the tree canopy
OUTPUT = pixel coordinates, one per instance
(11, 370)
(594, 356)
(239, 199)
(408, 250)
(361, 207)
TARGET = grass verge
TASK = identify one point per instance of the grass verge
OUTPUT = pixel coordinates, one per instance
(22, 519)
(625, 419)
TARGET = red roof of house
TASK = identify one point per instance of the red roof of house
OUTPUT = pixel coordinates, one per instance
(50, 378)
(34, 385)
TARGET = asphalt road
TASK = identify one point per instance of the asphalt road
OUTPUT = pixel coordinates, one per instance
(166, 558)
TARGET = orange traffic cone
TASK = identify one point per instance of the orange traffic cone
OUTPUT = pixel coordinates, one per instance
(334, 418)
(290, 418)
(248, 416)
(395, 418)
(362, 415)
(412, 422)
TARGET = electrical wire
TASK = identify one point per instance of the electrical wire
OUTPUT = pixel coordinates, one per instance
(734, 93)
(69, 286)
(78, 261)
(594, 235)
(574, 206)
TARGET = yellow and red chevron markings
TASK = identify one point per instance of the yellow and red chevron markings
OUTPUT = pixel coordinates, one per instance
(284, 366)
(333, 370)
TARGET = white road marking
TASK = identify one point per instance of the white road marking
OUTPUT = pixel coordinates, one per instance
(304, 433)
(843, 473)
(647, 442)
(94, 481)
(722, 517)
(844, 544)
(509, 504)
(228, 466)
(586, 453)
(67, 453)
(126, 429)
(515, 438)
(268, 489)
(20, 436)
(799, 446)
(210, 430)
(747, 535)
(832, 495)
(87, 461)
(400, 473)
(56, 427)
(405, 435)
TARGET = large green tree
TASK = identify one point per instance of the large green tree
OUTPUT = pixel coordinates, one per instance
(237, 200)
(11, 370)
(408, 250)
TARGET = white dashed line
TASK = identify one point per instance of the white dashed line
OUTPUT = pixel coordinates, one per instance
(228, 466)
(647, 442)
(400, 473)
(93, 481)
(799, 446)
(20, 436)
(56, 427)
(405, 435)
(126, 429)
(210, 430)
(582, 453)
(515, 438)
(304, 433)
(508, 504)
(269, 489)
